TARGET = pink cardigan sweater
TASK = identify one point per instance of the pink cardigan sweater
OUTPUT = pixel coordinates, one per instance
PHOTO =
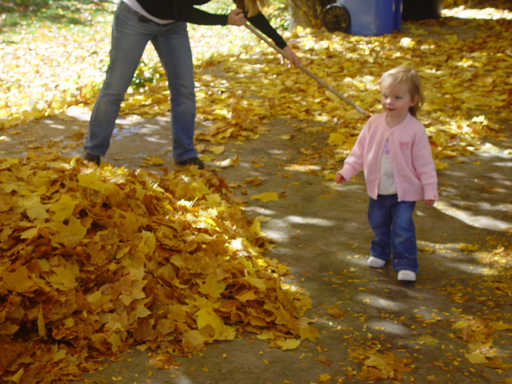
(411, 156)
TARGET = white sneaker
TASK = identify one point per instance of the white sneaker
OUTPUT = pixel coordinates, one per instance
(406, 276)
(375, 262)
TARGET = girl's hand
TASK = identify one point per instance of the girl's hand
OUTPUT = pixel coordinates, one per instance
(429, 203)
(340, 179)
(291, 56)
(237, 17)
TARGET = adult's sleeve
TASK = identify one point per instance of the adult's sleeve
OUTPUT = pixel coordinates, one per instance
(263, 25)
(187, 12)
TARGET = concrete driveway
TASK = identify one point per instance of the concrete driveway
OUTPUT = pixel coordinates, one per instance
(452, 326)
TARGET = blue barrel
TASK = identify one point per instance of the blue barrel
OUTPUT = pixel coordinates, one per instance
(374, 17)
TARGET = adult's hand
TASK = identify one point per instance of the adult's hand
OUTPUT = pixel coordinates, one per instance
(291, 56)
(237, 17)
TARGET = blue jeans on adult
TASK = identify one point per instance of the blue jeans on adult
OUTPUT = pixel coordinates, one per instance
(131, 32)
(391, 220)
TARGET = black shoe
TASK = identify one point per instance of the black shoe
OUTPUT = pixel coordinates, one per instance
(191, 161)
(92, 158)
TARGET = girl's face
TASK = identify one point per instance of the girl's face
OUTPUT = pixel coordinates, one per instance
(396, 102)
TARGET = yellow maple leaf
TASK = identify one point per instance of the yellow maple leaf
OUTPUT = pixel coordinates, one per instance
(97, 299)
(217, 149)
(91, 180)
(255, 227)
(152, 160)
(337, 138)
(468, 247)
(247, 295)
(266, 197)
(68, 235)
(59, 354)
(212, 287)
(16, 377)
(500, 326)
(309, 333)
(440, 165)
(29, 233)
(63, 208)
(352, 115)
(206, 316)
(428, 340)
(258, 283)
(193, 340)
(229, 162)
(476, 358)
(335, 311)
(383, 365)
(148, 243)
(253, 180)
(140, 309)
(324, 377)
(18, 280)
(115, 341)
(324, 360)
(8, 162)
(330, 175)
(288, 344)
(63, 278)
(33, 206)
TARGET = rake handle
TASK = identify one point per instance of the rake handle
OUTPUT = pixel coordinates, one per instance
(308, 72)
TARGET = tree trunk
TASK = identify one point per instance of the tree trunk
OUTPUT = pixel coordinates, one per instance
(300, 14)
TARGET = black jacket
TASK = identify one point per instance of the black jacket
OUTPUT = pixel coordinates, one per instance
(185, 10)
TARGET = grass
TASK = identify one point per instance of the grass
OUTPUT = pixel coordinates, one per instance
(19, 13)
(30, 13)
(69, 41)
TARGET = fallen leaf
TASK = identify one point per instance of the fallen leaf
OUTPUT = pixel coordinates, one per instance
(266, 197)
(288, 344)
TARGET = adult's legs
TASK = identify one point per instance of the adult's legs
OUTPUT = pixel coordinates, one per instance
(173, 48)
(129, 38)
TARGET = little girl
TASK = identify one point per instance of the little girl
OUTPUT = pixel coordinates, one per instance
(394, 151)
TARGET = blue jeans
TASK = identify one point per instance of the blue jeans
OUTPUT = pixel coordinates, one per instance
(130, 35)
(391, 220)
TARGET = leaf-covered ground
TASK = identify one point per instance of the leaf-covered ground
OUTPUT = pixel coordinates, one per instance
(46, 68)
(59, 217)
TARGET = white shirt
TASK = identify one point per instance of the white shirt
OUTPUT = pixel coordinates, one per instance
(387, 179)
(136, 6)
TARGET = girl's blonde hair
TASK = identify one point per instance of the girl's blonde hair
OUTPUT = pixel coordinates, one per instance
(252, 7)
(409, 77)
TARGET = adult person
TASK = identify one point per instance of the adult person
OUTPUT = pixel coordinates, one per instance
(164, 23)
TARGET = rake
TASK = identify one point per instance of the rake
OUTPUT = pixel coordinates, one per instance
(308, 72)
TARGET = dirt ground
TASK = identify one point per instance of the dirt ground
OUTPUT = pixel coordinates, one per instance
(321, 233)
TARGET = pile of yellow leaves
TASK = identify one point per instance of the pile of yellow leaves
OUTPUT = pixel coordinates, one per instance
(94, 260)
